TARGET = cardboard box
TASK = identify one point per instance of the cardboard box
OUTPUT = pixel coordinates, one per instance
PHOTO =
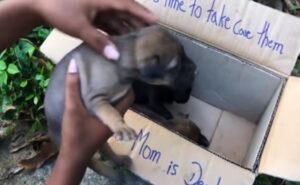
(243, 98)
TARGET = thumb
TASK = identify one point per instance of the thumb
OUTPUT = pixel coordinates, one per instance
(72, 91)
(100, 42)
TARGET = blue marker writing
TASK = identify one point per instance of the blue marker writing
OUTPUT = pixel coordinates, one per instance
(196, 178)
(146, 151)
(196, 10)
(172, 169)
(241, 31)
(177, 5)
(219, 181)
(265, 41)
(220, 21)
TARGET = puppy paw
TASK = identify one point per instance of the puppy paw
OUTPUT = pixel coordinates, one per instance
(122, 160)
(125, 133)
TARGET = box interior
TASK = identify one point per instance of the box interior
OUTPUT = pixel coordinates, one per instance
(232, 102)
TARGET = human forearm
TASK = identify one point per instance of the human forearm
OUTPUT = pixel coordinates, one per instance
(77, 149)
(76, 18)
(18, 18)
(68, 169)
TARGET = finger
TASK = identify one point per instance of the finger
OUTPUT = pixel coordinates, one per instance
(128, 6)
(106, 26)
(112, 22)
(113, 27)
(99, 41)
(134, 22)
(126, 102)
(72, 91)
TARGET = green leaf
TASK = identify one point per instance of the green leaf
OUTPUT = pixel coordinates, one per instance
(14, 88)
(19, 54)
(293, 183)
(27, 47)
(30, 50)
(2, 65)
(3, 77)
(29, 97)
(43, 33)
(49, 66)
(263, 180)
(40, 107)
(36, 126)
(298, 65)
(12, 69)
(35, 100)
(46, 82)
(10, 130)
(3, 53)
(39, 77)
(41, 84)
(294, 7)
(24, 83)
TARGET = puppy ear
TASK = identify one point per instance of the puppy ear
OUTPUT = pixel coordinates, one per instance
(173, 63)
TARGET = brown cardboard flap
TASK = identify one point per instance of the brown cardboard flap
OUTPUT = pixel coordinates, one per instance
(242, 27)
(281, 155)
(194, 18)
(163, 158)
(58, 44)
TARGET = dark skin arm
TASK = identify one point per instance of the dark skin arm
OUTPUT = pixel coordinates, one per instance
(82, 134)
(12, 29)
(78, 18)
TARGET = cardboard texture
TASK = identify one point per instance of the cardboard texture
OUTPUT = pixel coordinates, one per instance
(260, 135)
(282, 150)
(162, 157)
(233, 101)
(58, 44)
(242, 27)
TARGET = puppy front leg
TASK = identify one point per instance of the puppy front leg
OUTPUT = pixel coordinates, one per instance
(113, 119)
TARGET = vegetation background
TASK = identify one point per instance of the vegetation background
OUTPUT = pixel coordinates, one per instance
(24, 77)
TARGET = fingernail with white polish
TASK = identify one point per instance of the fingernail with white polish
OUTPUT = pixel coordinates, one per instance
(72, 66)
(111, 52)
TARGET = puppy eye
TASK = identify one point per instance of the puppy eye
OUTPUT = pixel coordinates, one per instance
(153, 60)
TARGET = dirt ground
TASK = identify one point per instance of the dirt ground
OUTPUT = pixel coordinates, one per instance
(8, 162)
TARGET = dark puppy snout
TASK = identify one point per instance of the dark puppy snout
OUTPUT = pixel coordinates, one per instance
(152, 72)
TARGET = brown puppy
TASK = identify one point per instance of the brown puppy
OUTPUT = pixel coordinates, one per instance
(150, 55)
(188, 129)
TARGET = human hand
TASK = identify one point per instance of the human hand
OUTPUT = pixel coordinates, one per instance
(83, 133)
(80, 18)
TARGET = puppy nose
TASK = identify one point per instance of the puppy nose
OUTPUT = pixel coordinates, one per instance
(152, 72)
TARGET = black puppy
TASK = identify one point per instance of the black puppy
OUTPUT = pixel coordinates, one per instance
(182, 124)
(153, 97)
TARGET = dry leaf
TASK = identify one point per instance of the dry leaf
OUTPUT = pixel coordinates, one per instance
(8, 108)
(47, 151)
(16, 146)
